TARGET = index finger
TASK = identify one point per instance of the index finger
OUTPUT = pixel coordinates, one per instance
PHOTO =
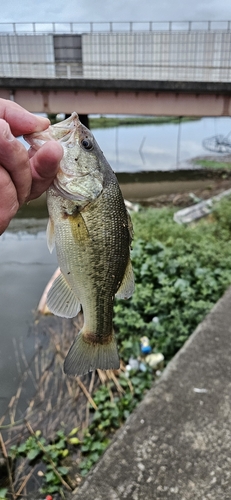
(20, 120)
(14, 159)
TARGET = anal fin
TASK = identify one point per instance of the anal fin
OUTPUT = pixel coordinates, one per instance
(61, 300)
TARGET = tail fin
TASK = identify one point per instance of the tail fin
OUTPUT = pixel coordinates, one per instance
(84, 357)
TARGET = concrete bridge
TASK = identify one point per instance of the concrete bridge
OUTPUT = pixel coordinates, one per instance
(120, 68)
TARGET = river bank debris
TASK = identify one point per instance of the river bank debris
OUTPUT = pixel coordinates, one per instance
(199, 210)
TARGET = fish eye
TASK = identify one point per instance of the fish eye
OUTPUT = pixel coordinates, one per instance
(87, 144)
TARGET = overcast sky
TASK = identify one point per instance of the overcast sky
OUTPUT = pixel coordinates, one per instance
(113, 10)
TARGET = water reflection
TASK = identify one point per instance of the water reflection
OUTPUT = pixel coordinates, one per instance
(154, 147)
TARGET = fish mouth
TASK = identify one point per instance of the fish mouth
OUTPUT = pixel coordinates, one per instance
(69, 139)
(73, 134)
(67, 133)
(68, 123)
(62, 132)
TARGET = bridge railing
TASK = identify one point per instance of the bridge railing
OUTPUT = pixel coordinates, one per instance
(113, 26)
(186, 51)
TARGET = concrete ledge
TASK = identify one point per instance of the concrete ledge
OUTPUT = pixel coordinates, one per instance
(195, 87)
(177, 444)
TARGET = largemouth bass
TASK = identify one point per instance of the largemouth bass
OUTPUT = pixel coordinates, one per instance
(92, 232)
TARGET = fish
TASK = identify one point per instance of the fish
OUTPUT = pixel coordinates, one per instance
(92, 231)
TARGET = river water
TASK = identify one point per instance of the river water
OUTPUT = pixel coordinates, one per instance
(26, 264)
(158, 147)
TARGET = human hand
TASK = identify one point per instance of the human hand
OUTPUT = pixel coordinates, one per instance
(23, 177)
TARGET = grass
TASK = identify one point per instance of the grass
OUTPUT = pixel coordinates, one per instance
(213, 164)
(107, 121)
(114, 121)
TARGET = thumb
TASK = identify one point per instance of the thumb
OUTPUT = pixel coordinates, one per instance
(44, 167)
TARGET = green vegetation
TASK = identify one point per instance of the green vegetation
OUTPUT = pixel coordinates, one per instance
(180, 272)
(3, 493)
(112, 410)
(51, 454)
(107, 121)
(212, 164)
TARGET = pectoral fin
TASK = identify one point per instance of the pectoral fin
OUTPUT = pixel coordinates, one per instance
(61, 300)
(127, 286)
(50, 235)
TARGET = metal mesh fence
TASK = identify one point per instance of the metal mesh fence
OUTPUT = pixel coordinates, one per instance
(136, 51)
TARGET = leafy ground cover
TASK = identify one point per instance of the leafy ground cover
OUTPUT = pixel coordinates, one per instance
(181, 272)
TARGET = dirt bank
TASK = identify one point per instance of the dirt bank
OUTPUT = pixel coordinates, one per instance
(177, 193)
